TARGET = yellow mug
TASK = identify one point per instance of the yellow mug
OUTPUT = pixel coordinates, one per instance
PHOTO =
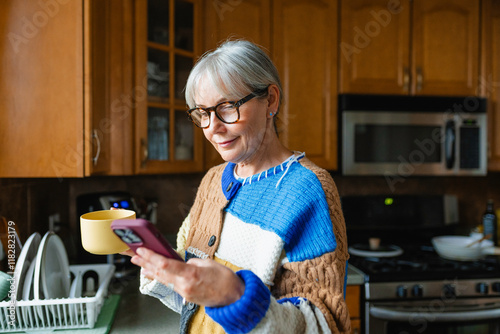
(97, 235)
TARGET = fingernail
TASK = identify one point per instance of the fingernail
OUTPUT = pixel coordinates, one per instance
(140, 251)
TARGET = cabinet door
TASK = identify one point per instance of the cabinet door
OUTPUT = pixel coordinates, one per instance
(249, 19)
(490, 79)
(97, 40)
(305, 51)
(374, 47)
(166, 48)
(108, 75)
(445, 47)
(41, 84)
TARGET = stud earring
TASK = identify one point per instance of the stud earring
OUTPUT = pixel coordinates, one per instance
(270, 114)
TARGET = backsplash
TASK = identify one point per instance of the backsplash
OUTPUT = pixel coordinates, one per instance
(29, 202)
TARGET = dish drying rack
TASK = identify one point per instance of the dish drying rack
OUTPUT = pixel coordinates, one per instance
(61, 313)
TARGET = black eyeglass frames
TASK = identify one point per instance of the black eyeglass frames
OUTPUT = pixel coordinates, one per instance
(228, 111)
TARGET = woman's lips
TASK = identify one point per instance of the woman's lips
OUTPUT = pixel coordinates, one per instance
(225, 144)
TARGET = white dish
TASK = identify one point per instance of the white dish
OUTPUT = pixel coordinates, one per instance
(28, 292)
(28, 282)
(52, 275)
(454, 247)
(387, 251)
(76, 286)
(27, 255)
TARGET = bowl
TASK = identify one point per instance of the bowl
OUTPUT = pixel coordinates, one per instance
(97, 235)
(454, 247)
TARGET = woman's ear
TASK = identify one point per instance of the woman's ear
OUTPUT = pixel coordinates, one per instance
(273, 99)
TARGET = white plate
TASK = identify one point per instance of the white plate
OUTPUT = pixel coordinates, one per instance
(388, 251)
(28, 282)
(76, 286)
(27, 255)
(52, 275)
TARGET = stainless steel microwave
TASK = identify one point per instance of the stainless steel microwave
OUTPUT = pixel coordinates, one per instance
(412, 135)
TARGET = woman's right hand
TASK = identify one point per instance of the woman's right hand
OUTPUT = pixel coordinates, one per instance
(128, 252)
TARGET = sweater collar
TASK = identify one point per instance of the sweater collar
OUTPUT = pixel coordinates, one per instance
(231, 183)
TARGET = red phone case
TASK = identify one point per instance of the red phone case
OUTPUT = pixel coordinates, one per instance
(142, 233)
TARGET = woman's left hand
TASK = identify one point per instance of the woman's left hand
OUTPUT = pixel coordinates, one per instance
(204, 282)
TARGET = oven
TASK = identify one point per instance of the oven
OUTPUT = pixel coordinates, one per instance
(437, 306)
(408, 287)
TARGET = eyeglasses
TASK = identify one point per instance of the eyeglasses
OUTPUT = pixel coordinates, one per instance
(228, 111)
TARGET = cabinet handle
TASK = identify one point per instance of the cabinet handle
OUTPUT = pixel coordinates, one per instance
(145, 153)
(406, 79)
(420, 79)
(98, 142)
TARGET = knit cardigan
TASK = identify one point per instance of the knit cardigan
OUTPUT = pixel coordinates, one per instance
(296, 209)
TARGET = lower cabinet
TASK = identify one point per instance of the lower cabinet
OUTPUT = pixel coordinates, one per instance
(353, 304)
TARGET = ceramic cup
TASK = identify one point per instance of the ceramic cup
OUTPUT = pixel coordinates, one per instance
(97, 236)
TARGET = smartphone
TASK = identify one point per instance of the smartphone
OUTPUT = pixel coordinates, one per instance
(142, 233)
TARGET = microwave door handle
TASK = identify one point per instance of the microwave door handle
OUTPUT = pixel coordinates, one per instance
(449, 144)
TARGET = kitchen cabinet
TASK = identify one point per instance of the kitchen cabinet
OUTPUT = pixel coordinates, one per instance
(166, 46)
(225, 20)
(56, 87)
(490, 79)
(307, 120)
(306, 57)
(353, 305)
(409, 47)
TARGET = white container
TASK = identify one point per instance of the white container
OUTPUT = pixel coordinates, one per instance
(63, 313)
(453, 247)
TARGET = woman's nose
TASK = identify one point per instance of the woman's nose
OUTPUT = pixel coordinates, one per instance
(215, 123)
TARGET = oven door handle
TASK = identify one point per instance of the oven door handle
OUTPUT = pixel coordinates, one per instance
(397, 315)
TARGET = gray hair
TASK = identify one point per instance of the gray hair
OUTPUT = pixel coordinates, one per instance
(236, 68)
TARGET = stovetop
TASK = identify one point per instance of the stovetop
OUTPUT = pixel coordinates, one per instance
(423, 263)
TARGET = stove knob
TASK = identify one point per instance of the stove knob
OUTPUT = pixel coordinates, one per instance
(417, 291)
(495, 287)
(482, 288)
(401, 291)
(449, 291)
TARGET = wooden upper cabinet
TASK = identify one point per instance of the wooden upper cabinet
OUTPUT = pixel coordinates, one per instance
(58, 84)
(42, 85)
(374, 47)
(420, 47)
(490, 78)
(305, 51)
(167, 44)
(445, 47)
(250, 20)
(109, 87)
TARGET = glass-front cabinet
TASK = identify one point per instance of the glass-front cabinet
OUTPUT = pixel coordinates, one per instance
(166, 48)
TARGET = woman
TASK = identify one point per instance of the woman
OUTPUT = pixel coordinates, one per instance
(264, 243)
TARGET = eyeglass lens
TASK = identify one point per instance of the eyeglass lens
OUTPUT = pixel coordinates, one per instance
(227, 112)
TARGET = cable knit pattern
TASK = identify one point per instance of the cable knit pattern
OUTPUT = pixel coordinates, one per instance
(298, 204)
